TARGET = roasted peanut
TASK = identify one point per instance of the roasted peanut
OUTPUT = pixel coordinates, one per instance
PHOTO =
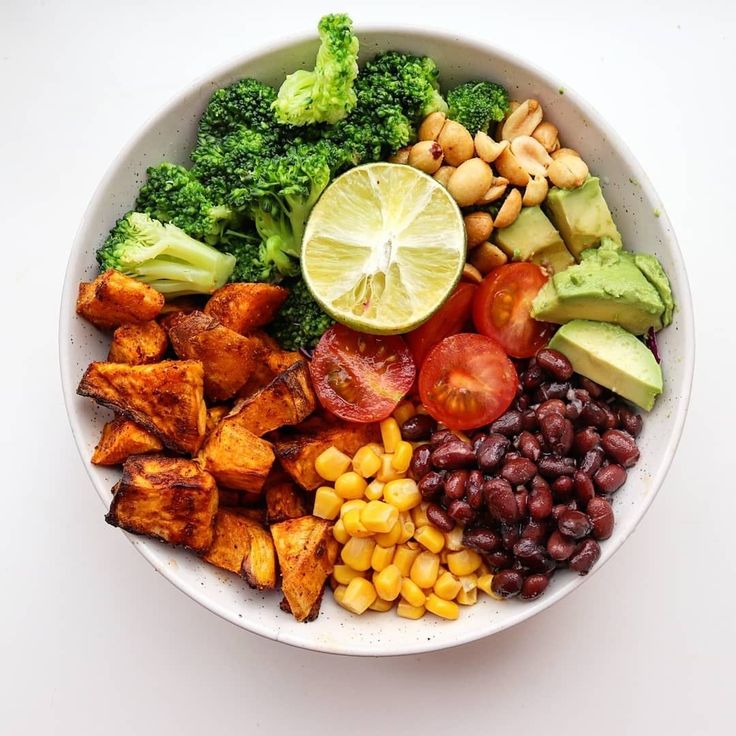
(496, 191)
(401, 156)
(530, 154)
(469, 182)
(487, 148)
(567, 172)
(478, 228)
(548, 135)
(472, 274)
(509, 168)
(509, 210)
(486, 257)
(564, 152)
(443, 174)
(431, 126)
(535, 192)
(456, 143)
(426, 156)
(523, 120)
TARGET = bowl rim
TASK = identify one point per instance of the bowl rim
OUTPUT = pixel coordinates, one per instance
(684, 302)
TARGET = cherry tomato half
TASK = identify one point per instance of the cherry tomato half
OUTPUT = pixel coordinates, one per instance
(501, 309)
(467, 381)
(449, 319)
(361, 378)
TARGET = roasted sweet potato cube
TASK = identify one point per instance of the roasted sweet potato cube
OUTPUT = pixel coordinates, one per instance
(306, 551)
(236, 457)
(259, 564)
(165, 398)
(246, 307)
(122, 438)
(138, 344)
(284, 501)
(167, 498)
(215, 415)
(228, 358)
(114, 299)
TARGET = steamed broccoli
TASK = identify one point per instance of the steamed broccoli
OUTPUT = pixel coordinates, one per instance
(326, 94)
(476, 104)
(164, 256)
(300, 322)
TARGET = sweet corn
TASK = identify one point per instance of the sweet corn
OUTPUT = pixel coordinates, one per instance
(387, 471)
(350, 485)
(404, 494)
(467, 597)
(431, 538)
(463, 562)
(388, 583)
(469, 582)
(402, 456)
(377, 448)
(343, 574)
(366, 462)
(390, 538)
(443, 556)
(332, 463)
(419, 515)
(354, 526)
(390, 434)
(339, 532)
(412, 593)
(405, 410)
(374, 490)
(380, 517)
(454, 539)
(326, 503)
(406, 610)
(339, 593)
(447, 586)
(483, 569)
(382, 557)
(407, 527)
(436, 605)
(381, 605)
(355, 503)
(424, 569)
(358, 552)
(359, 594)
(484, 584)
(404, 558)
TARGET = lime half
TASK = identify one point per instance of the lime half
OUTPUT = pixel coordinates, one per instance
(383, 248)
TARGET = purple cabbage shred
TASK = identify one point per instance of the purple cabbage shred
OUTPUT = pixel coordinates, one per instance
(651, 343)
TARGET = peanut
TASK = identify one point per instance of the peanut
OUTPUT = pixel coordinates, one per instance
(486, 257)
(431, 126)
(530, 154)
(401, 156)
(478, 227)
(468, 183)
(472, 274)
(535, 192)
(456, 142)
(509, 168)
(509, 210)
(568, 172)
(523, 120)
(548, 135)
(495, 191)
(487, 148)
(426, 156)
(564, 152)
(443, 174)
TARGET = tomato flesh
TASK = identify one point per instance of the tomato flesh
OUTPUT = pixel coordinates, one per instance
(467, 380)
(361, 378)
(501, 309)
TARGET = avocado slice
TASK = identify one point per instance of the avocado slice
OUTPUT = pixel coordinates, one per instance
(606, 286)
(652, 269)
(613, 357)
(532, 237)
(582, 216)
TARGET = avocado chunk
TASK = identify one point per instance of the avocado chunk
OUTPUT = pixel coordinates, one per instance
(652, 269)
(582, 216)
(613, 357)
(606, 286)
(532, 237)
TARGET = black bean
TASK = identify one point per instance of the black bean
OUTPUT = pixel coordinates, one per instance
(510, 535)
(499, 559)
(584, 488)
(518, 471)
(453, 454)
(440, 518)
(620, 447)
(461, 511)
(500, 500)
(507, 424)
(592, 460)
(522, 497)
(552, 467)
(585, 556)
(529, 420)
(540, 502)
(629, 421)
(555, 363)
(419, 427)
(491, 451)
(431, 484)
(455, 484)
(441, 436)
(420, 462)
(531, 555)
(574, 524)
(507, 583)
(481, 539)
(552, 390)
(609, 478)
(537, 531)
(534, 585)
(585, 440)
(474, 489)
(529, 446)
(594, 389)
(562, 488)
(548, 407)
(560, 547)
(531, 378)
(557, 432)
(600, 513)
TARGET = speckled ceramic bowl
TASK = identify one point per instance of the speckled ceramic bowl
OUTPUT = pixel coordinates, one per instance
(171, 134)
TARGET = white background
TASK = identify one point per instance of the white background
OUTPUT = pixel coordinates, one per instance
(93, 641)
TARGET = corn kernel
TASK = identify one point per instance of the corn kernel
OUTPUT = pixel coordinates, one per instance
(357, 553)
(402, 457)
(390, 538)
(405, 410)
(419, 515)
(447, 586)
(412, 593)
(355, 503)
(343, 574)
(387, 471)
(359, 594)
(467, 597)
(483, 569)
(406, 610)
(407, 527)
(388, 583)
(484, 584)
(436, 605)
(339, 593)
(404, 494)
(463, 562)
(382, 557)
(326, 503)
(379, 517)
(381, 605)
(354, 526)
(377, 448)
(443, 556)
(331, 463)
(390, 434)
(366, 462)
(374, 490)
(424, 569)
(339, 532)
(469, 582)
(350, 485)
(404, 558)
(454, 539)
(431, 538)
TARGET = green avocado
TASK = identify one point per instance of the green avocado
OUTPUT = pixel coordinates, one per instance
(606, 286)
(654, 273)
(532, 237)
(582, 216)
(613, 357)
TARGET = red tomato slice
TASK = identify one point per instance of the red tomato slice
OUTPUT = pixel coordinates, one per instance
(449, 319)
(501, 309)
(361, 378)
(467, 381)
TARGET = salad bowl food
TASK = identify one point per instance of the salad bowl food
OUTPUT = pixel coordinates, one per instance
(644, 228)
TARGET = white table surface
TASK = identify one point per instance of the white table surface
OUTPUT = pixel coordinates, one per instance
(93, 641)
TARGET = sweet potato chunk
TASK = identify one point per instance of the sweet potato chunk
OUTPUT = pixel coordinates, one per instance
(114, 299)
(246, 307)
(138, 344)
(241, 545)
(165, 398)
(306, 550)
(215, 415)
(167, 498)
(122, 438)
(284, 501)
(287, 400)
(228, 358)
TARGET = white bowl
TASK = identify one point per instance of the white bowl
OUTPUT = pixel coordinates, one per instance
(171, 135)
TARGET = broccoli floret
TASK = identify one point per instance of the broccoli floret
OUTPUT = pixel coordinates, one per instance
(477, 104)
(251, 261)
(326, 94)
(164, 256)
(300, 322)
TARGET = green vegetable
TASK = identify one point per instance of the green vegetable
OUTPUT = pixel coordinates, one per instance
(324, 95)
(477, 104)
(164, 256)
(300, 322)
